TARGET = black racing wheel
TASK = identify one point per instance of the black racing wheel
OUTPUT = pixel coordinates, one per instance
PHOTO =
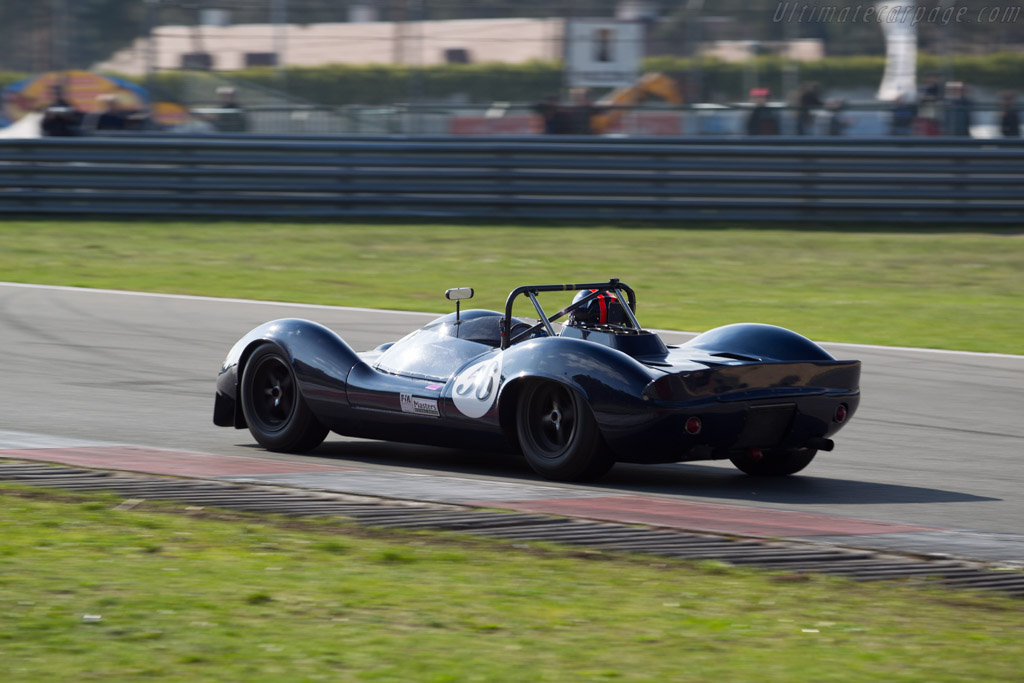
(558, 434)
(274, 409)
(775, 463)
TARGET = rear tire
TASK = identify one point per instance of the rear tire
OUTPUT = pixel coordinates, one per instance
(272, 403)
(559, 435)
(775, 463)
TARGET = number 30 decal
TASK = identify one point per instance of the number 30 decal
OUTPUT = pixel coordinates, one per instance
(476, 387)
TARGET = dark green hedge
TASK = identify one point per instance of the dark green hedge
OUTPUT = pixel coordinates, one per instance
(484, 83)
(727, 80)
(999, 71)
(386, 84)
(524, 83)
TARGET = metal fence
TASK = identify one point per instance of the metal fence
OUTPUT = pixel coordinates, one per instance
(577, 178)
(858, 120)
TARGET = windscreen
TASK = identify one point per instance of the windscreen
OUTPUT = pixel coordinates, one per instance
(433, 352)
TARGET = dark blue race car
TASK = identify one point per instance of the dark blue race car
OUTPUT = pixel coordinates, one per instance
(573, 398)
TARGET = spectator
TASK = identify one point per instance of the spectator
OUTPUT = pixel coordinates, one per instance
(808, 101)
(762, 120)
(548, 110)
(61, 119)
(107, 116)
(558, 120)
(927, 122)
(958, 110)
(1009, 119)
(932, 87)
(904, 111)
(582, 112)
(230, 118)
(837, 121)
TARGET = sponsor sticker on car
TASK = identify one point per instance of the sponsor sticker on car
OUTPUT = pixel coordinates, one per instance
(419, 406)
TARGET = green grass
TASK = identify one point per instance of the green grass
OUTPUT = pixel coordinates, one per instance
(93, 590)
(928, 288)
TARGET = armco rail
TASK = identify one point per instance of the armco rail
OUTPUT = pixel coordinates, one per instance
(645, 179)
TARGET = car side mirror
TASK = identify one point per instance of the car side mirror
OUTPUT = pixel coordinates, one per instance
(457, 295)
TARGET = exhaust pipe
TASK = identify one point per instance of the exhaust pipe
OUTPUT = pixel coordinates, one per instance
(820, 443)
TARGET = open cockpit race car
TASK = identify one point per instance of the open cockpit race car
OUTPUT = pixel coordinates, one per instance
(573, 397)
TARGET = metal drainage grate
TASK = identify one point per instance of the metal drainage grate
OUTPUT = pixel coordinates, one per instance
(780, 556)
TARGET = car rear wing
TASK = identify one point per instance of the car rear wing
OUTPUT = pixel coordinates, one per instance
(613, 285)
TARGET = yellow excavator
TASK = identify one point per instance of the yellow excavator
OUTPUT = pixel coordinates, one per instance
(615, 104)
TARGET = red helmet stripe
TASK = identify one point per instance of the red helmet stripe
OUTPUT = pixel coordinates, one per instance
(604, 308)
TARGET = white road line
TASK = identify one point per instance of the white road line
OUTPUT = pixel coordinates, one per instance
(192, 297)
(17, 441)
(982, 354)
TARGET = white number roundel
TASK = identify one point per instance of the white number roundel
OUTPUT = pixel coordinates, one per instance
(476, 387)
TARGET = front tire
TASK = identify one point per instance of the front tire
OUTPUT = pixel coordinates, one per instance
(775, 463)
(274, 409)
(559, 435)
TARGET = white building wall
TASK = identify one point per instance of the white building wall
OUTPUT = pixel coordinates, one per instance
(510, 41)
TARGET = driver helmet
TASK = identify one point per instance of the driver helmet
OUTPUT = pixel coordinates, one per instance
(603, 309)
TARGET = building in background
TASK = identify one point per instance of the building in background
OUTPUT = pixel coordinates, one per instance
(418, 43)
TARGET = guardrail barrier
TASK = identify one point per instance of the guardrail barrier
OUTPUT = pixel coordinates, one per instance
(956, 180)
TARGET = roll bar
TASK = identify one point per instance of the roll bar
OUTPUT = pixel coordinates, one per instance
(613, 285)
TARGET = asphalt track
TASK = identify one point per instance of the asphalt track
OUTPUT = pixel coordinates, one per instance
(931, 464)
